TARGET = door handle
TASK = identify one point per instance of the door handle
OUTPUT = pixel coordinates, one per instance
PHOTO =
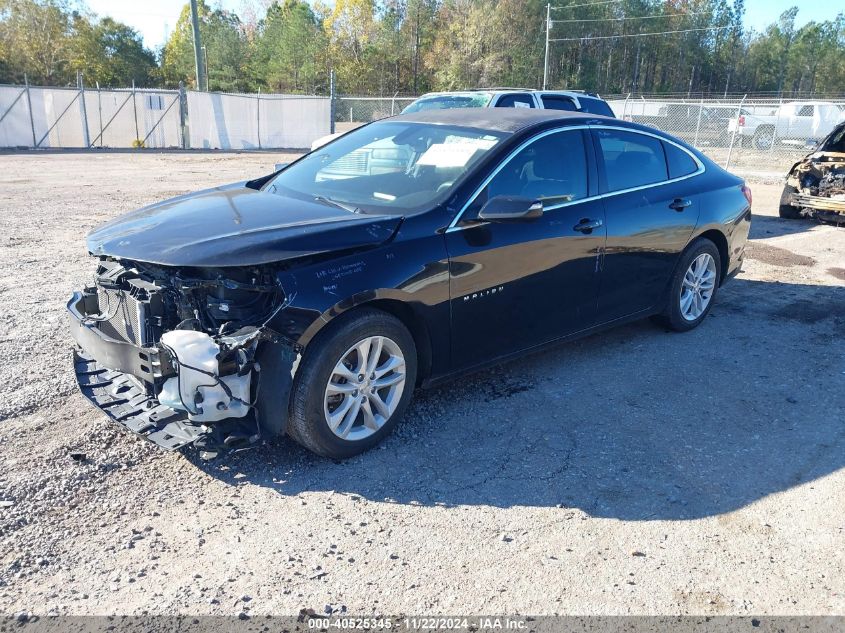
(586, 225)
(679, 204)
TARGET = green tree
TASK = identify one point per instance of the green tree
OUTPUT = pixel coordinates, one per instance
(409, 46)
(351, 29)
(35, 41)
(289, 49)
(227, 50)
(109, 53)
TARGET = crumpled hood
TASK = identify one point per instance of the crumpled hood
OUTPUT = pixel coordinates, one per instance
(236, 226)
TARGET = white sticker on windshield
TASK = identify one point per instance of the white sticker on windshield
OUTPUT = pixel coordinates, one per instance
(448, 154)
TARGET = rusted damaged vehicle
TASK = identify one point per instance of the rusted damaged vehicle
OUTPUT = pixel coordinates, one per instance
(815, 186)
(312, 301)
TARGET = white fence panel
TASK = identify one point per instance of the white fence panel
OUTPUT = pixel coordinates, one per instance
(158, 114)
(116, 118)
(110, 120)
(15, 129)
(293, 121)
(222, 121)
(57, 115)
(237, 121)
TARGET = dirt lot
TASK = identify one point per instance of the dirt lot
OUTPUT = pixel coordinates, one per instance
(633, 472)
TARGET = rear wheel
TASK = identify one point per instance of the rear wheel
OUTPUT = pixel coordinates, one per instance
(764, 137)
(354, 384)
(693, 287)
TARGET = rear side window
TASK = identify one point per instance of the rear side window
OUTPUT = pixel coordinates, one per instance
(631, 159)
(555, 102)
(806, 110)
(515, 101)
(595, 106)
(680, 163)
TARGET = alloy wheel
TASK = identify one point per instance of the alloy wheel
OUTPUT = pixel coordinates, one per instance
(698, 286)
(364, 388)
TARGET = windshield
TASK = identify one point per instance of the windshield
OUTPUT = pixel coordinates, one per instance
(444, 102)
(595, 106)
(835, 142)
(388, 167)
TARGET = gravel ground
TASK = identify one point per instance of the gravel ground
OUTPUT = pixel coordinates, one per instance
(632, 472)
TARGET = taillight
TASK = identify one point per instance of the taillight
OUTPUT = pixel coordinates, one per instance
(746, 191)
(741, 120)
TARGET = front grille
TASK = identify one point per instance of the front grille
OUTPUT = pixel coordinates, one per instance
(123, 316)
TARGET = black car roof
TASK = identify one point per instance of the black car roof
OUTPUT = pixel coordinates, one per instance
(499, 119)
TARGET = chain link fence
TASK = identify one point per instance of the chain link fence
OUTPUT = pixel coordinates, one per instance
(742, 133)
(350, 112)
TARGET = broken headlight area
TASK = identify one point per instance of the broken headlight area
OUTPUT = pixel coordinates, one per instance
(816, 187)
(172, 354)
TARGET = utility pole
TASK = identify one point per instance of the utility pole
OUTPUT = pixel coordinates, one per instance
(202, 80)
(416, 48)
(546, 62)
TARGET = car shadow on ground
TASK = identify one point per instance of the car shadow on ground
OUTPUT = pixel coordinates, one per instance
(766, 226)
(635, 423)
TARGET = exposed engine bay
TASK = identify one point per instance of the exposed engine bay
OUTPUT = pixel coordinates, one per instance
(815, 186)
(180, 347)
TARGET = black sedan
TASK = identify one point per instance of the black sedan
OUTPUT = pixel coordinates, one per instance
(314, 300)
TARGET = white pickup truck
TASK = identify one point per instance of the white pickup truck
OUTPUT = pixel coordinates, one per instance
(795, 123)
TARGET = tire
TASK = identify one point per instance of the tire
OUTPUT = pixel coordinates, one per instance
(787, 211)
(673, 316)
(311, 406)
(764, 138)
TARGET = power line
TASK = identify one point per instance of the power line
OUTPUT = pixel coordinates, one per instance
(641, 17)
(589, 4)
(610, 37)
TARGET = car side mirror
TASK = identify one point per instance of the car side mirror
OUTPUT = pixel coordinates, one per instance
(510, 209)
(279, 166)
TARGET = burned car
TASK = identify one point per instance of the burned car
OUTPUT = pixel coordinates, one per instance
(815, 186)
(311, 304)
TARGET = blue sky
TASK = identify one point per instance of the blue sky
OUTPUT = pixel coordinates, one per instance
(153, 18)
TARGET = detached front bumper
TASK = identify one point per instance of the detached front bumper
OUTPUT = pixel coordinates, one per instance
(120, 378)
(121, 398)
(145, 363)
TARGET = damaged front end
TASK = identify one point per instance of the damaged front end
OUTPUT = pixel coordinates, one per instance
(174, 355)
(815, 186)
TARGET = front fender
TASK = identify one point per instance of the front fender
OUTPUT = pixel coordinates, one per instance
(413, 273)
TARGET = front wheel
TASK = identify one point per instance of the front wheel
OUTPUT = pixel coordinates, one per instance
(786, 210)
(693, 286)
(354, 384)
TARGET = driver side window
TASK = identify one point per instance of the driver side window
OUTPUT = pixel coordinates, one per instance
(552, 169)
